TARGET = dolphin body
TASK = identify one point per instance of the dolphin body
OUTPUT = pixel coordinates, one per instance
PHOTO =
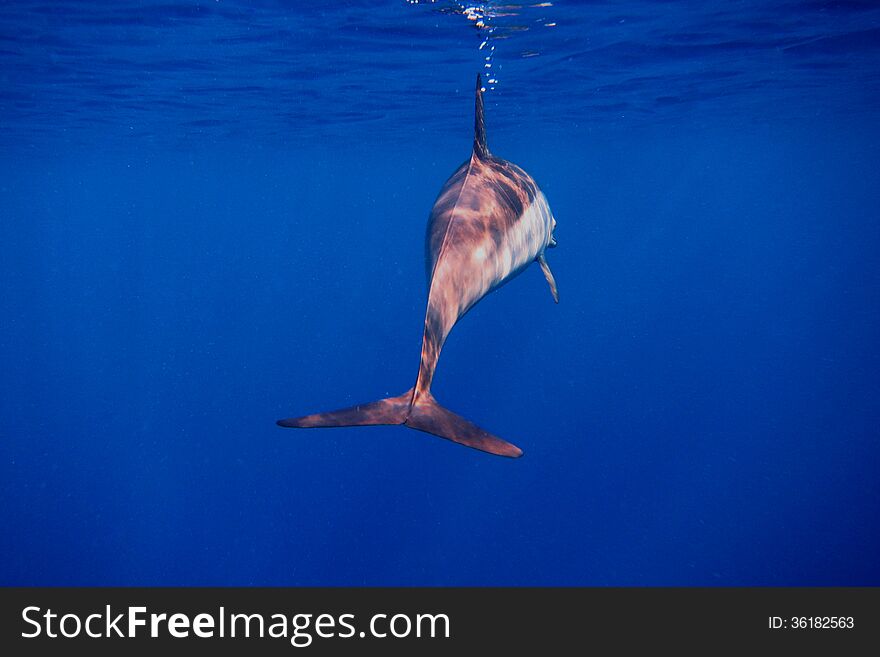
(489, 222)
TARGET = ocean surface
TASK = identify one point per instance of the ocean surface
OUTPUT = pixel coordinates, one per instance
(212, 216)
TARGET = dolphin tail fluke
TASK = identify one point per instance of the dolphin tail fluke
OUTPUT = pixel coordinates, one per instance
(423, 414)
(429, 416)
(392, 410)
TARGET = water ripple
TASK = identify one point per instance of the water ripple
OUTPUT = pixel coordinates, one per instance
(266, 68)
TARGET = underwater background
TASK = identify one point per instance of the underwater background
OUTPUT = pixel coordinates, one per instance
(212, 216)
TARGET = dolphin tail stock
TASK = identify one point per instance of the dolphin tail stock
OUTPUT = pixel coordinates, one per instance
(422, 413)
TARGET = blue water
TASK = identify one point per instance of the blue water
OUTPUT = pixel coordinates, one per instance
(212, 216)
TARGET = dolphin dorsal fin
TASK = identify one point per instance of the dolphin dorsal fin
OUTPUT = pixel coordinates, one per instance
(480, 148)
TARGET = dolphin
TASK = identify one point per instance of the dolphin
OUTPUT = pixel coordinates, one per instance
(489, 222)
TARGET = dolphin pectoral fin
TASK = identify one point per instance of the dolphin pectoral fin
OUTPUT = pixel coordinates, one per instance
(392, 410)
(549, 276)
(429, 416)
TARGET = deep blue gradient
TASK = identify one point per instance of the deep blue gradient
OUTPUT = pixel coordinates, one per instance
(212, 216)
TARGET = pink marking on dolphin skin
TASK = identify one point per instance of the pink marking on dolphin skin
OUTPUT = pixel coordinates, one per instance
(490, 221)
